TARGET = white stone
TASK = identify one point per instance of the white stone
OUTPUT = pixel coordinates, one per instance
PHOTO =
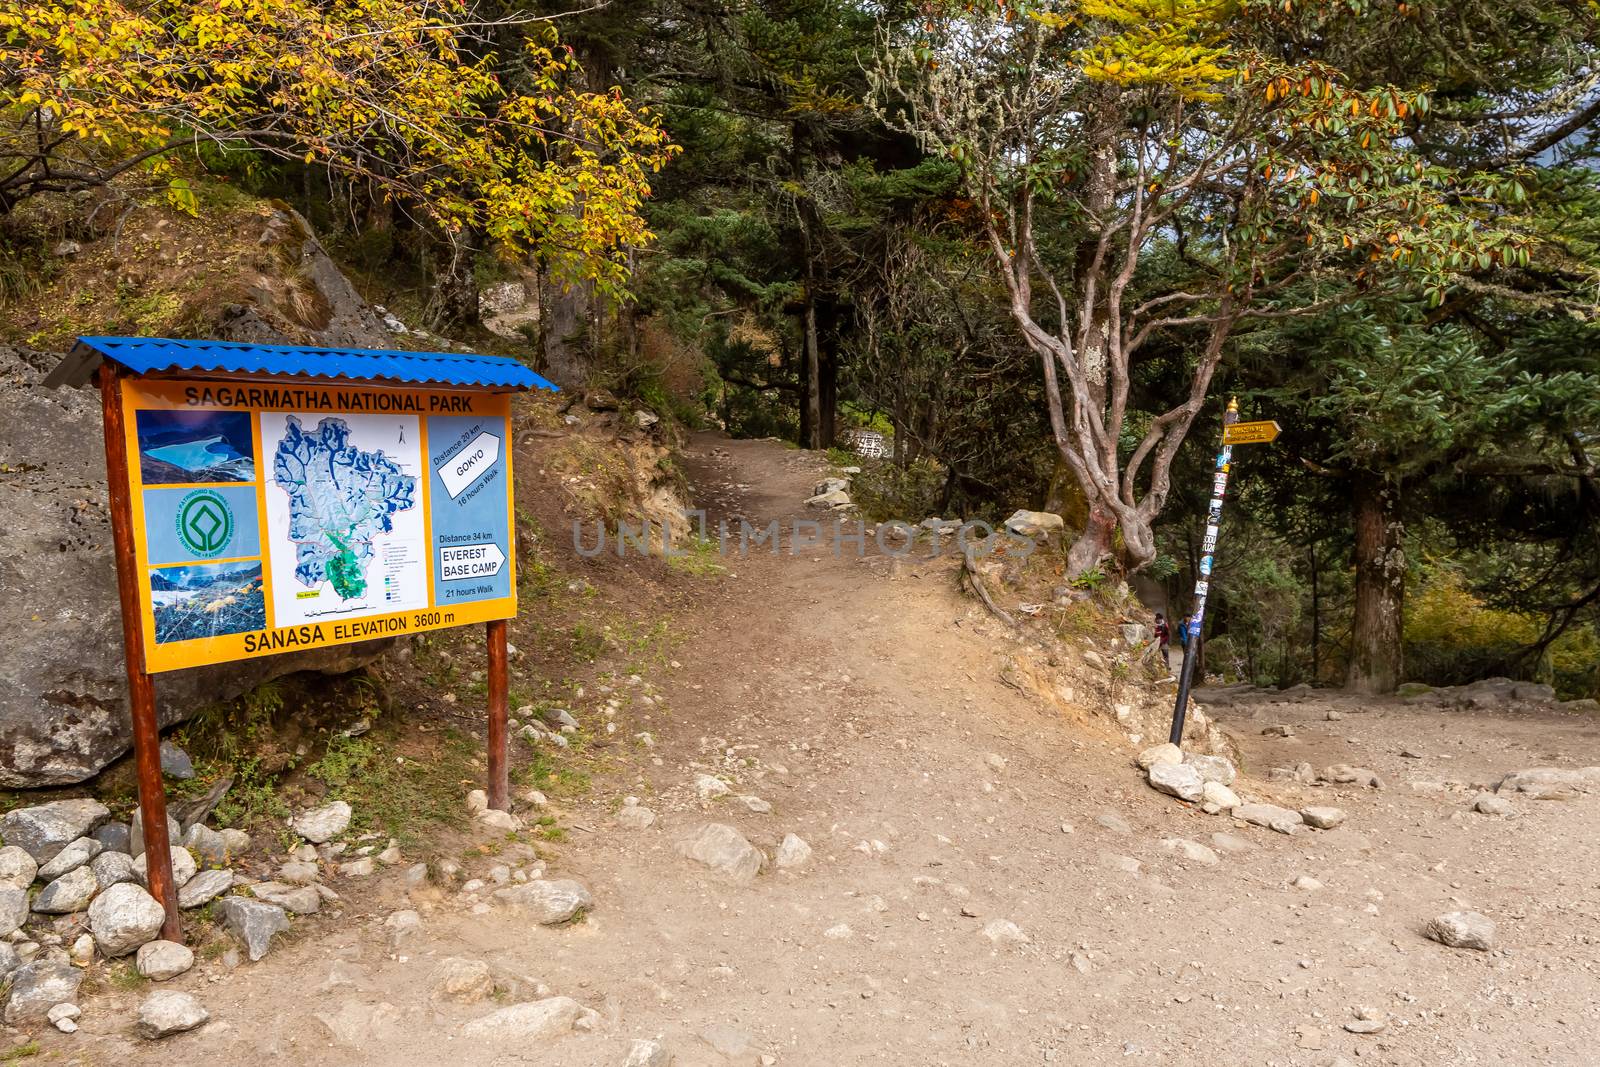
(71, 892)
(253, 922)
(167, 1012)
(38, 986)
(647, 1053)
(710, 787)
(463, 980)
(14, 908)
(1489, 804)
(548, 903)
(112, 867)
(503, 821)
(1034, 523)
(1217, 769)
(123, 918)
(322, 824)
(298, 899)
(1323, 818)
(1271, 816)
(184, 866)
(17, 867)
(1177, 779)
(636, 817)
(792, 852)
(725, 850)
(64, 1017)
(76, 854)
(1004, 932)
(204, 888)
(298, 872)
(1216, 793)
(43, 830)
(1166, 752)
(532, 1021)
(401, 926)
(1192, 851)
(1462, 929)
(163, 960)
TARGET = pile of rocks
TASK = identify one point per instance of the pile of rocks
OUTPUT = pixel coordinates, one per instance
(833, 494)
(1207, 781)
(94, 902)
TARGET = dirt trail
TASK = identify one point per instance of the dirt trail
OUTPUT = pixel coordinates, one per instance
(863, 707)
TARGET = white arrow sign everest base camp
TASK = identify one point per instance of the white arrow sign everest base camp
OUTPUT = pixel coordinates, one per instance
(469, 464)
(458, 562)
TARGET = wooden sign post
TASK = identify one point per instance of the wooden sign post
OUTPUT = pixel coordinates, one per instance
(268, 499)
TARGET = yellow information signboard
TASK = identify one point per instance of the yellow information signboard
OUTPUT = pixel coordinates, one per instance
(1251, 433)
(278, 517)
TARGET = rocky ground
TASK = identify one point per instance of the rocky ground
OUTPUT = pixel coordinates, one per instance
(852, 837)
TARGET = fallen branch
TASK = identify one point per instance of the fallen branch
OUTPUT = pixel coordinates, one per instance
(971, 570)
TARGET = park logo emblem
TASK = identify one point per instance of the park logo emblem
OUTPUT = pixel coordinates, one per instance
(205, 523)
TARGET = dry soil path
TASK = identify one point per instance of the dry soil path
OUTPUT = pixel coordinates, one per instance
(864, 708)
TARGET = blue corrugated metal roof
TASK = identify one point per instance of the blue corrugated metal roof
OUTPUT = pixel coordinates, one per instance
(146, 355)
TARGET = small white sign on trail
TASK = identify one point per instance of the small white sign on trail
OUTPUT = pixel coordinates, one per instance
(469, 464)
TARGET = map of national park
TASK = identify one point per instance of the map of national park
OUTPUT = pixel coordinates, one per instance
(341, 499)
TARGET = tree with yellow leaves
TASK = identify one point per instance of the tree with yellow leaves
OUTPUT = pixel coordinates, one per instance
(1155, 171)
(405, 96)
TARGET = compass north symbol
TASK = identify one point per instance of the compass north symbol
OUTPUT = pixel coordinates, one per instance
(205, 523)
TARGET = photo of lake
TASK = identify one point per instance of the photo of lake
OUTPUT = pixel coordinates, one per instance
(179, 447)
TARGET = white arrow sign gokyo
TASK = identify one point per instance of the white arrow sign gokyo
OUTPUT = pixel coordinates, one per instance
(469, 464)
(459, 562)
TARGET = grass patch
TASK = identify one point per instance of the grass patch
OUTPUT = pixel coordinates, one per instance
(546, 829)
(543, 773)
(125, 977)
(405, 797)
(699, 557)
(20, 1052)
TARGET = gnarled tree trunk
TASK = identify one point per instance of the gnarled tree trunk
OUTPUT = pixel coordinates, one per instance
(1380, 561)
(453, 304)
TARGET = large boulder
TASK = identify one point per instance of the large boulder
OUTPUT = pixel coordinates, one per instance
(123, 918)
(43, 830)
(39, 986)
(63, 691)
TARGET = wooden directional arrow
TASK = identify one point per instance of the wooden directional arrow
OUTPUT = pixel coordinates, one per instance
(1251, 433)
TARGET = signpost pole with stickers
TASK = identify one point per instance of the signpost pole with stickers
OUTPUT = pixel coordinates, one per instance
(267, 499)
(1234, 432)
